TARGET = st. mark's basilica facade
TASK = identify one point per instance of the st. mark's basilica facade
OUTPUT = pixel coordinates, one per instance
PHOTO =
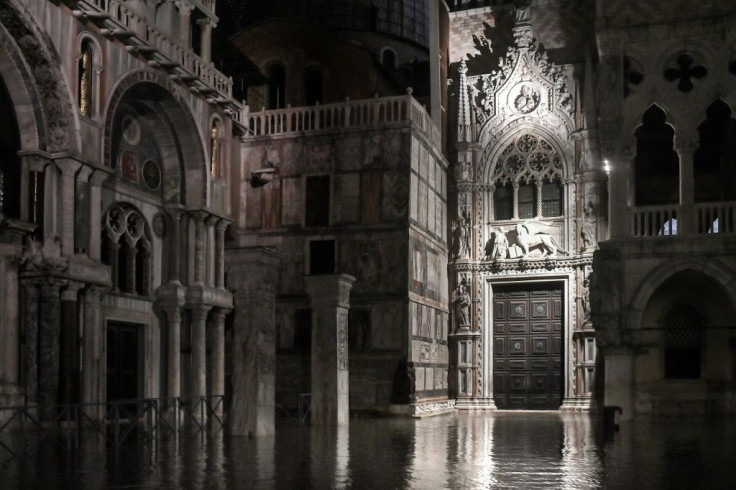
(407, 207)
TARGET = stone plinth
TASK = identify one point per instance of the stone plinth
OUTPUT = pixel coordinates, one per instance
(253, 278)
(330, 301)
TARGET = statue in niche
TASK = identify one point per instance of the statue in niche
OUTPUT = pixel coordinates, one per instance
(463, 171)
(587, 229)
(404, 383)
(497, 246)
(462, 305)
(462, 238)
(585, 299)
(529, 236)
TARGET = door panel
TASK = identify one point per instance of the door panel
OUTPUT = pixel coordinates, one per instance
(527, 326)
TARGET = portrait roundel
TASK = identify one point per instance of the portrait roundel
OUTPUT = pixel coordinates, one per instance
(131, 130)
(151, 175)
(525, 98)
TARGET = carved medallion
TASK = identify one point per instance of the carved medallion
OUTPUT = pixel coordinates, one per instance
(527, 98)
(159, 225)
(131, 130)
(151, 175)
(129, 166)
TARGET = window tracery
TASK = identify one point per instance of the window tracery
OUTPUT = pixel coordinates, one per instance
(127, 249)
(527, 179)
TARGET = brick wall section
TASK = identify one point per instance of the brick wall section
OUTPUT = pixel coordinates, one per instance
(624, 13)
(463, 26)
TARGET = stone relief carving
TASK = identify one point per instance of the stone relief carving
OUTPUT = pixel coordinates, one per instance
(526, 99)
(462, 238)
(462, 305)
(45, 256)
(497, 247)
(529, 235)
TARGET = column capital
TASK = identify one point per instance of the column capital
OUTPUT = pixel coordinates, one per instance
(199, 216)
(71, 290)
(185, 6)
(222, 225)
(219, 314)
(329, 289)
(36, 161)
(199, 311)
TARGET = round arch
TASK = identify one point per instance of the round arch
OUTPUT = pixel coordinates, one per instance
(184, 159)
(32, 74)
(713, 269)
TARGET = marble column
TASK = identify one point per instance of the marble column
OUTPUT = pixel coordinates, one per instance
(175, 213)
(173, 318)
(48, 345)
(199, 351)
(216, 359)
(253, 278)
(69, 346)
(220, 253)
(30, 334)
(94, 367)
(211, 250)
(185, 12)
(687, 144)
(199, 248)
(329, 296)
(95, 215)
(205, 51)
(68, 168)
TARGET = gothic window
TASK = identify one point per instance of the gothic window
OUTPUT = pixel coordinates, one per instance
(276, 86)
(656, 164)
(682, 342)
(715, 160)
(527, 180)
(313, 86)
(85, 80)
(127, 249)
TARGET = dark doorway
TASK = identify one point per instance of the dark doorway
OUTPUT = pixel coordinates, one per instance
(527, 346)
(123, 356)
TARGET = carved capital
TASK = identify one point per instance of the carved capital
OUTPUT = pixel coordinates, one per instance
(200, 312)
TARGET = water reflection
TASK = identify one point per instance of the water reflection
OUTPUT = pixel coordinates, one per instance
(476, 450)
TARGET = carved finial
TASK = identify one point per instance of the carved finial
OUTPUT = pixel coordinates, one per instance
(463, 117)
(409, 90)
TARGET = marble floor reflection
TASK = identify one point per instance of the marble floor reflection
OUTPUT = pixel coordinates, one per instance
(482, 450)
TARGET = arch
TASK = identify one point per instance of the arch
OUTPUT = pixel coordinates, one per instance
(87, 71)
(714, 164)
(30, 68)
(656, 164)
(711, 268)
(389, 59)
(183, 156)
(216, 128)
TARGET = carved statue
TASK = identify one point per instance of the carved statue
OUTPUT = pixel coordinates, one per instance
(497, 246)
(462, 306)
(527, 237)
(585, 300)
(43, 257)
(462, 235)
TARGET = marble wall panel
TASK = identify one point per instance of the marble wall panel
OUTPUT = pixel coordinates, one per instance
(420, 378)
(429, 379)
(444, 356)
(414, 157)
(292, 208)
(371, 194)
(431, 210)
(347, 194)
(439, 217)
(349, 153)
(422, 205)
(393, 150)
(423, 161)
(388, 326)
(414, 197)
(395, 196)
(253, 208)
(292, 154)
(292, 274)
(272, 204)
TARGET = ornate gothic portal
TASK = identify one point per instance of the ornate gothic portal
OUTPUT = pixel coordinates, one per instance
(526, 223)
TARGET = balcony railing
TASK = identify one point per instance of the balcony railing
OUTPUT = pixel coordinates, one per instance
(349, 114)
(675, 219)
(133, 29)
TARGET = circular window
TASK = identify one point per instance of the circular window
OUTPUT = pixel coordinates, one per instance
(151, 175)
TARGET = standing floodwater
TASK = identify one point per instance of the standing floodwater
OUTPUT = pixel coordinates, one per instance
(484, 450)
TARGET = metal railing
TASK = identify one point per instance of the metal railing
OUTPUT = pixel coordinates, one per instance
(115, 421)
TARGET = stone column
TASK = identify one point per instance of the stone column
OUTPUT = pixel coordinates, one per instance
(95, 214)
(173, 317)
(94, 366)
(9, 322)
(185, 12)
(211, 250)
(686, 146)
(330, 301)
(216, 360)
(48, 345)
(174, 250)
(199, 252)
(205, 45)
(220, 254)
(30, 334)
(253, 280)
(68, 168)
(199, 351)
(69, 346)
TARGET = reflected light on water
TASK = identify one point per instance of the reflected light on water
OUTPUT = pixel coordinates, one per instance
(462, 450)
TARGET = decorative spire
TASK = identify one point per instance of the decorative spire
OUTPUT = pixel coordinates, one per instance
(463, 116)
(522, 26)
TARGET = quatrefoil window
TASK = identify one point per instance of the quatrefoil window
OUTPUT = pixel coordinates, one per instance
(686, 70)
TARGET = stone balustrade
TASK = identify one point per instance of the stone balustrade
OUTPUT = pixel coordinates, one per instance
(349, 114)
(666, 220)
(144, 37)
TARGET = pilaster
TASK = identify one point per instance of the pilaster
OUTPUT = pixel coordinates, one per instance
(253, 279)
(330, 301)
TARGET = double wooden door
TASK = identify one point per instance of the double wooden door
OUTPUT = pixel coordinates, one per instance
(527, 347)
